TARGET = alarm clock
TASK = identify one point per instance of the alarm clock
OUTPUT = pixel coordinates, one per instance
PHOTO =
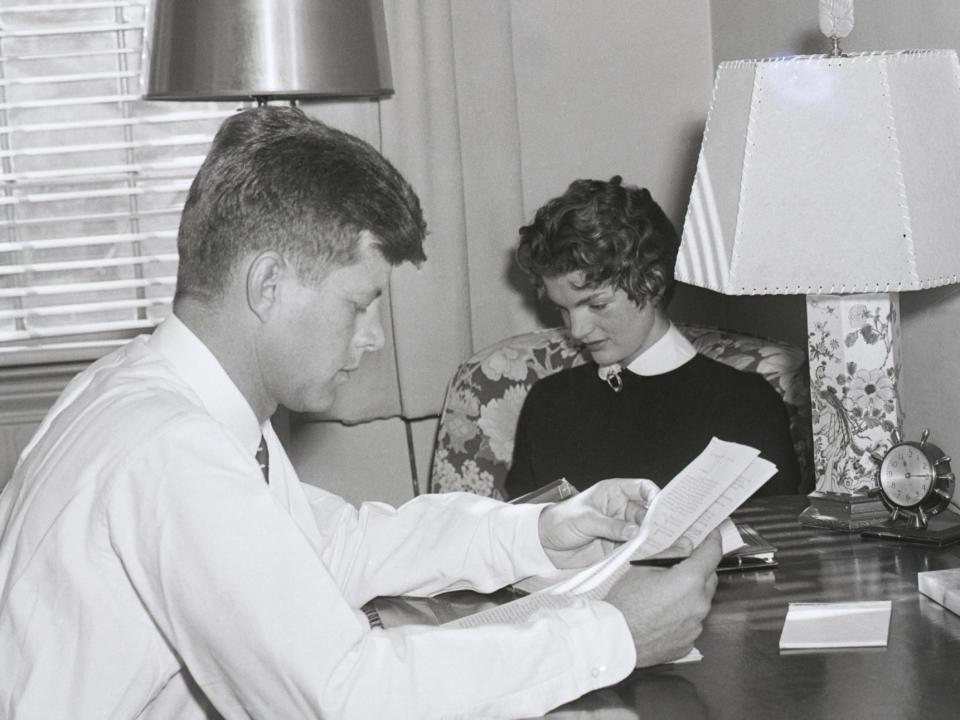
(915, 484)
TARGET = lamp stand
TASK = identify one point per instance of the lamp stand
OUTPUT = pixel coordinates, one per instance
(853, 343)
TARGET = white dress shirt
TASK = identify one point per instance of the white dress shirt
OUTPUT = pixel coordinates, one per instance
(148, 571)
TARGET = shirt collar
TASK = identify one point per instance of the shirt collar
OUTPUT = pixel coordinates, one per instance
(666, 354)
(200, 369)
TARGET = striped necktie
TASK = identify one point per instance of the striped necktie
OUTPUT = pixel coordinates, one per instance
(263, 458)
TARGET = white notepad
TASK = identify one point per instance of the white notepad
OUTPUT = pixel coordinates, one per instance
(836, 625)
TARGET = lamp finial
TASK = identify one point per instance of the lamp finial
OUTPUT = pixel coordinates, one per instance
(836, 21)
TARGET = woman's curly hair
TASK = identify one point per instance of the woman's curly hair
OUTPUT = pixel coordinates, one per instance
(615, 234)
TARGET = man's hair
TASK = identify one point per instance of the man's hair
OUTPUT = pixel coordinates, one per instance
(277, 179)
(615, 234)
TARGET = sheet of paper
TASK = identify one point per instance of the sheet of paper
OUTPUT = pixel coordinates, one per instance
(836, 625)
(730, 538)
(515, 611)
(731, 497)
(535, 583)
(693, 656)
(689, 502)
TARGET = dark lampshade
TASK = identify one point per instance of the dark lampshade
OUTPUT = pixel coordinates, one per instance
(266, 49)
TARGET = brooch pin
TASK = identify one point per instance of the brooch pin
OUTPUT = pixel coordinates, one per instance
(611, 375)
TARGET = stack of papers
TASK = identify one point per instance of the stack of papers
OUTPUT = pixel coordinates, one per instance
(941, 586)
(836, 625)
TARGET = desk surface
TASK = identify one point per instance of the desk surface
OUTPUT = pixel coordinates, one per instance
(744, 674)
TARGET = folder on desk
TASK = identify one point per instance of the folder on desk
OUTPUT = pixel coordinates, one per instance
(754, 554)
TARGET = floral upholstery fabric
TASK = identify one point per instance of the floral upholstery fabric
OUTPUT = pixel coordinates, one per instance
(479, 417)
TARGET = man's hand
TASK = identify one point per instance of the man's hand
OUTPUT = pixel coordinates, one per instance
(665, 608)
(582, 529)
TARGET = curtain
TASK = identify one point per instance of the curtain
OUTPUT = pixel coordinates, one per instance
(452, 129)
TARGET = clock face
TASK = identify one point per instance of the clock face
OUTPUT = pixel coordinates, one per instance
(906, 475)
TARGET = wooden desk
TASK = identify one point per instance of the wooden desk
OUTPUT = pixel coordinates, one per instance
(744, 675)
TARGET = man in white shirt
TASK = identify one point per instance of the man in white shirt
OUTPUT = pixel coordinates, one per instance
(159, 557)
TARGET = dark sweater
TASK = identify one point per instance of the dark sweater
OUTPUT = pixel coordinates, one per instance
(573, 425)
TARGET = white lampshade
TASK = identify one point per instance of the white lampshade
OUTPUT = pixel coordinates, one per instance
(822, 174)
(834, 177)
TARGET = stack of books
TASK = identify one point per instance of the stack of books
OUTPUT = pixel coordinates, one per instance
(847, 512)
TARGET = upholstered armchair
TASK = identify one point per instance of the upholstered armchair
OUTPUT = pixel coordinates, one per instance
(479, 416)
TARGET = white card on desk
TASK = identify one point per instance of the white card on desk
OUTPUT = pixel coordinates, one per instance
(941, 586)
(836, 625)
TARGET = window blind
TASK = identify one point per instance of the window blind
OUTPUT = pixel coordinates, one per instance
(92, 180)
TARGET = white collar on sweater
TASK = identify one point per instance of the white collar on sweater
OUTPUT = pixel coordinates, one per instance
(666, 354)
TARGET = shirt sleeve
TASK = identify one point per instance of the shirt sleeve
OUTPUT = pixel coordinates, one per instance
(434, 543)
(245, 601)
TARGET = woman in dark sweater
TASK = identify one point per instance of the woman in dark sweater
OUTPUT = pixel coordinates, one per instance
(603, 253)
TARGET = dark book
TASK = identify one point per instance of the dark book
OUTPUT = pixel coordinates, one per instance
(755, 554)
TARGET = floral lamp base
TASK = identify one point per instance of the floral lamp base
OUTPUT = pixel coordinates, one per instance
(854, 351)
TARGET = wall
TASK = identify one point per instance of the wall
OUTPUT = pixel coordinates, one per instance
(369, 461)
(626, 91)
(620, 90)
